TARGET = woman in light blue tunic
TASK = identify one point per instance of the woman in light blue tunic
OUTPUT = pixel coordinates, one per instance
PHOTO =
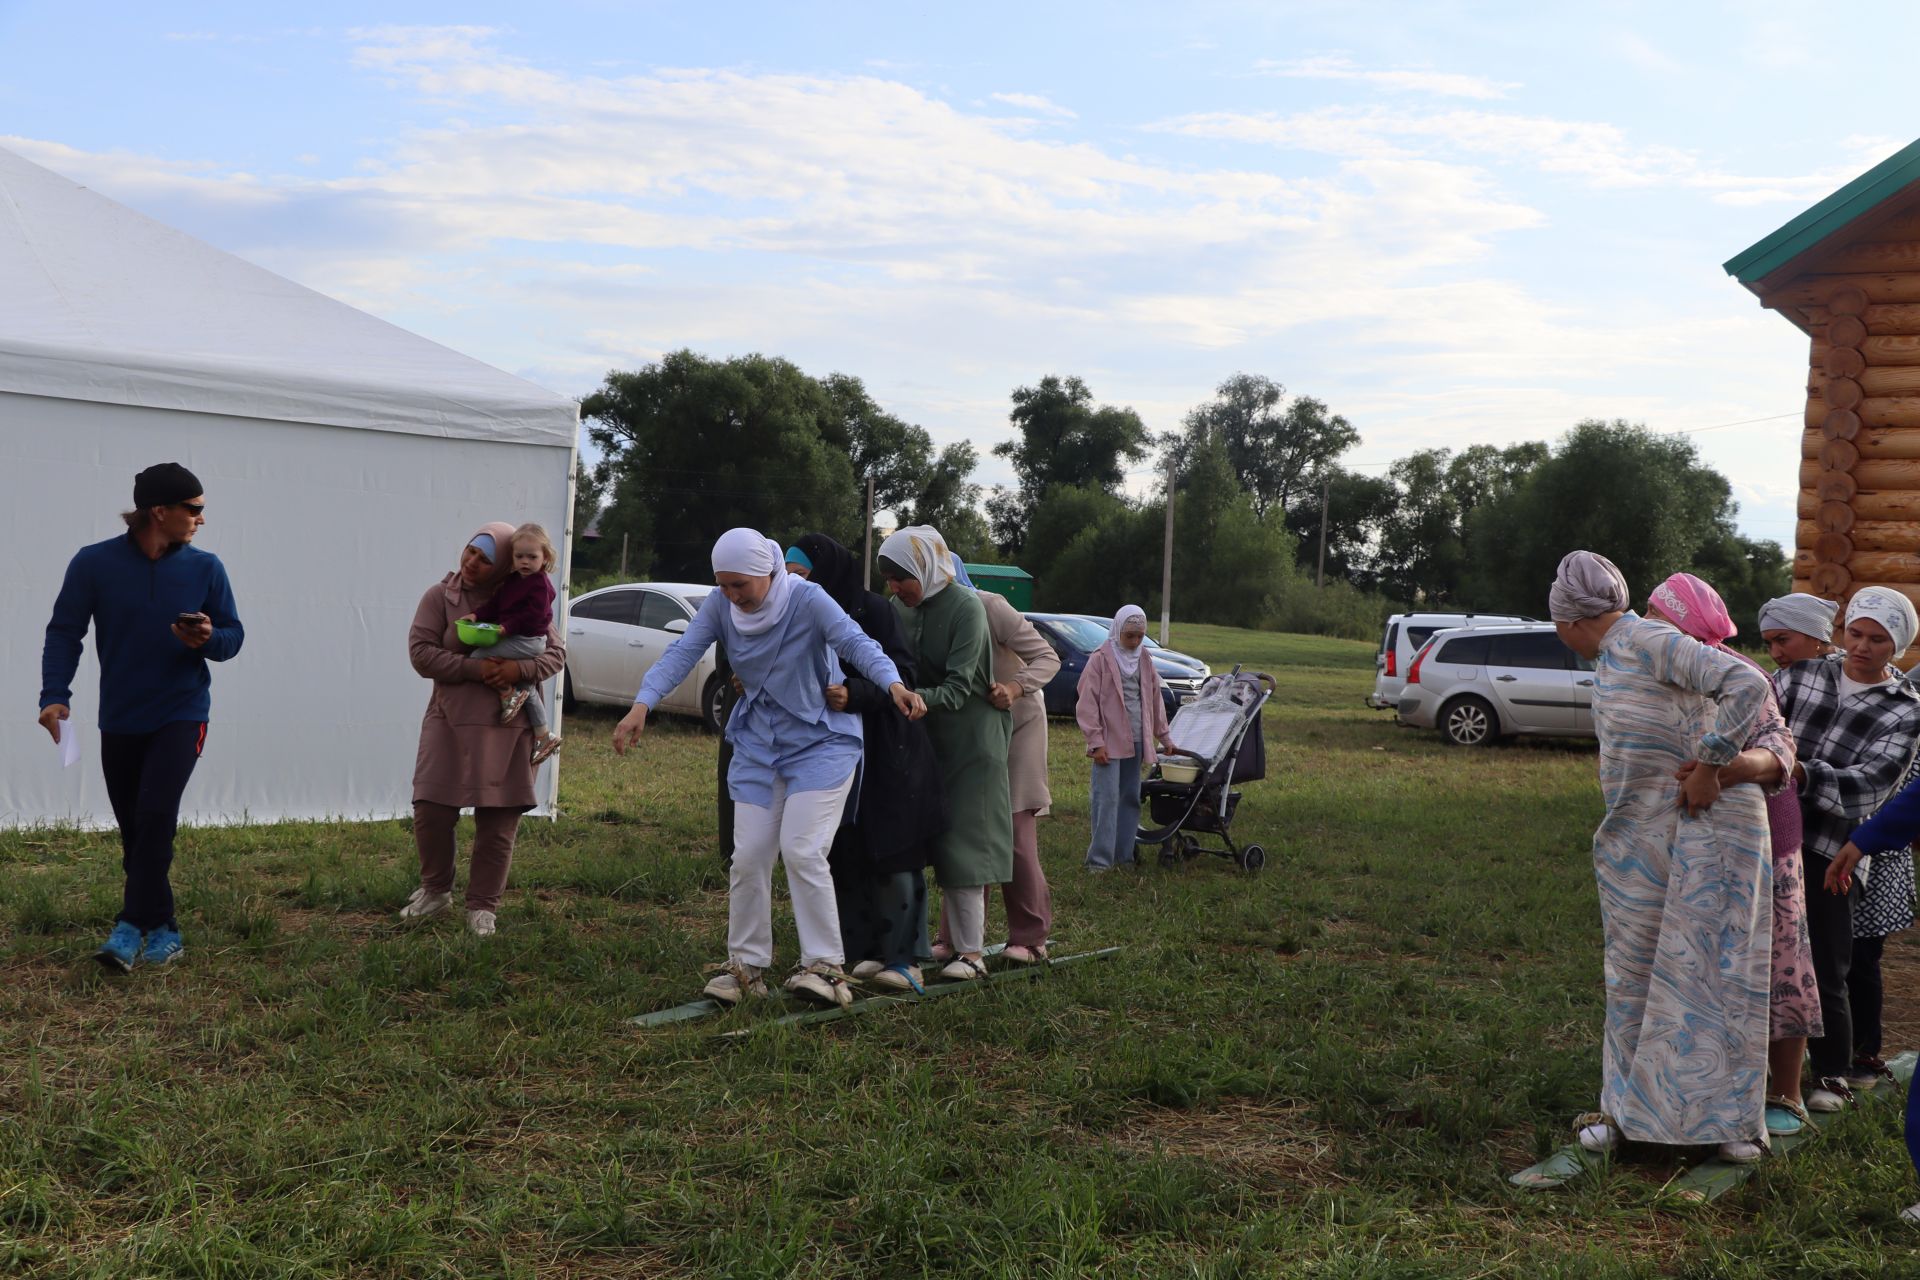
(794, 757)
(1684, 870)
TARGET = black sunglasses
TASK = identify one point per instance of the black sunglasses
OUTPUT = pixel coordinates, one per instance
(191, 508)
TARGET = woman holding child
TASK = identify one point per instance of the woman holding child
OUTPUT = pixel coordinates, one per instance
(470, 755)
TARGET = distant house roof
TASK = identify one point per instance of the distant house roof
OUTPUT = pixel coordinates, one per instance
(996, 571)
(1764, 264)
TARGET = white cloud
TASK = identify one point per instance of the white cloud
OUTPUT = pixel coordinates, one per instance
(1034, 102)
(1441, 83)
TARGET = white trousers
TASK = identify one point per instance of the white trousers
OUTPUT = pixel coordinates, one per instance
(797, 828)
(966, 918)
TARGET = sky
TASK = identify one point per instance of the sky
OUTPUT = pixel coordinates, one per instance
(1453, 223)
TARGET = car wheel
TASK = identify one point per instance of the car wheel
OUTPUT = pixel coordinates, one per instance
(1469, 722)
(713, 704)
(567, 701)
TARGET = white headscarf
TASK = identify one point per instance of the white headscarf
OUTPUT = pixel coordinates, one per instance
(750, 552)
(921, 550)
(1888, 608)
(1129, 659)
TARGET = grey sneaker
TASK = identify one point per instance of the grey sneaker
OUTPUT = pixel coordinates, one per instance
(867, 969)
(481, 922)
(423, 904)
(964, 969)
(823, 982)
(734, 982)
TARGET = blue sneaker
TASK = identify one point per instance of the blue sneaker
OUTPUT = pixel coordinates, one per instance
(163, 947)
(121, 951)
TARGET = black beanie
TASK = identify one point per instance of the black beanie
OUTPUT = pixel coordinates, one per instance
(163, 484)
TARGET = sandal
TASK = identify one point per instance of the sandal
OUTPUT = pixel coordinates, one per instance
(546, 748)
(964, 969)
(510, 704)
(1596, 1132)
(1014, 953)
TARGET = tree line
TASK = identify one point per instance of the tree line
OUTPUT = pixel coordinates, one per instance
(691, 446)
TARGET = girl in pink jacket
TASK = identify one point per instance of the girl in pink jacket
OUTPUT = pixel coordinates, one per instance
(1122, 715)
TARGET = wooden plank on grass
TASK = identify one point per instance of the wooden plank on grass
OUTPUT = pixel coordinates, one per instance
(1563, 1166)
(873, 1004)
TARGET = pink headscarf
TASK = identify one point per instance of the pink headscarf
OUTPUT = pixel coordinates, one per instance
(1695, 608)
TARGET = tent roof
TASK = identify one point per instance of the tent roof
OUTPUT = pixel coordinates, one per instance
(104, 304)
(1831, 216)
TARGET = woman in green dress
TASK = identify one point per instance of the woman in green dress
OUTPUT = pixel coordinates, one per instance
(953, 645)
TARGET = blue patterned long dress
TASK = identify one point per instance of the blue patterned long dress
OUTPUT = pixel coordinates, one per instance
(1686, 902)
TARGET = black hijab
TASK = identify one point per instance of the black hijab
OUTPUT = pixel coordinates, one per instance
(836, 570)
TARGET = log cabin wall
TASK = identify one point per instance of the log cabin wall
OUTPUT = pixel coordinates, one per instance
(1859, 507)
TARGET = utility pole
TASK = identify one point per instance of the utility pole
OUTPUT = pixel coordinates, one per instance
(1320, 574)
(623, 557)
(1166, 564)
(866, 559)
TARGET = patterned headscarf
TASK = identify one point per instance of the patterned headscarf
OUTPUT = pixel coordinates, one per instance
(1586, 585)
(922, 552)
(1695, 608)
(1888, 608)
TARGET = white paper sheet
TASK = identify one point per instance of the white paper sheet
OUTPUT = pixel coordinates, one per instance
(69, 744)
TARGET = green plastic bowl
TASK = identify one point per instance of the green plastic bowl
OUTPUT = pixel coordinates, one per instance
(481, 634)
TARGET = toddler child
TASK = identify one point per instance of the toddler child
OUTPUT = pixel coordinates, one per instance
(523, 608)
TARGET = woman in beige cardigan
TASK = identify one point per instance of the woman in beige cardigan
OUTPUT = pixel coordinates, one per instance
(1023, 662)
(467, 758)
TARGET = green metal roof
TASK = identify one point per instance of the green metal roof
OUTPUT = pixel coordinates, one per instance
(996, 571)
(1833, 214)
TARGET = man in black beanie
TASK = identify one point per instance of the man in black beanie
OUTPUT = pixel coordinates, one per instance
(161, 609)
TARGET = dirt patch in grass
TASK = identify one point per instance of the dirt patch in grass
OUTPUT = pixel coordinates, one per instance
(1900, 972)
(1261, 1139)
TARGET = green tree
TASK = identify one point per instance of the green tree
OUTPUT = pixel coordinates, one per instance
(1357, 507)
(1277, 453)
(694, 446)
(1064, 440)
(1645, 501)
(1423, 540)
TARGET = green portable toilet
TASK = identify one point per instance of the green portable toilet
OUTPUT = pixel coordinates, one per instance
(1008, 580)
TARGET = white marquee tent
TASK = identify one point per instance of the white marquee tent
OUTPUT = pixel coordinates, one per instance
(345, 463)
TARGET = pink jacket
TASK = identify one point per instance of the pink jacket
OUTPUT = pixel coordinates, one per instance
(1102, 712)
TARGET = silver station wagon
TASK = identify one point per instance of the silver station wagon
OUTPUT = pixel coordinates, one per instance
(1479, 685)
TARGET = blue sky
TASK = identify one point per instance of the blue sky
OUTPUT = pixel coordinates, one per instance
(1455, 223)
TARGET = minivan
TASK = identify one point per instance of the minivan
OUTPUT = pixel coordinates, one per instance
(1478, 684)
(1404, 635)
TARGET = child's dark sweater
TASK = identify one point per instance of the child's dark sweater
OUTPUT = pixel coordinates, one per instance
(523, 605)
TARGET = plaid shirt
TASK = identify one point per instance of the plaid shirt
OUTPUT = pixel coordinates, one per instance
(1854, 752)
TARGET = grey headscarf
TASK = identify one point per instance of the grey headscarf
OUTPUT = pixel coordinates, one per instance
(1586, 585)
(1809, 615)
(1888, 608)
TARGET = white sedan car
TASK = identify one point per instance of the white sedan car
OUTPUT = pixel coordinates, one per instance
(616, 634)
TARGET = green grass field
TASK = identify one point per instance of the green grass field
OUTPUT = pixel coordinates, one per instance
(1325, 1070)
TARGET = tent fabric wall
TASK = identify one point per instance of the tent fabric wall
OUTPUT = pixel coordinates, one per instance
(346, 462)
(330, 537)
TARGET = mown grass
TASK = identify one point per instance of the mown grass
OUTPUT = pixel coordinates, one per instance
(1324, 1070)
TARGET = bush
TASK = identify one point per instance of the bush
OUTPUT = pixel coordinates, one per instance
(1337, 609)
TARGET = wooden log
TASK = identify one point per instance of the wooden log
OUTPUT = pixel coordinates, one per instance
(1878, 566)
(1875, 473)
(1875, 351)
(1882, 319)
(1902, 380)
(1834, 517)
(1838, 455)
(1890, 411)
(1883, 504)
(1830, 580)
(1866, 535)
(1839, 424)
(1874, 442)
(1814, 290)
(1843, 393)
(1843, 362)
(1836, 548)
(1848, 301)
(1846, 331)
(1874, 255)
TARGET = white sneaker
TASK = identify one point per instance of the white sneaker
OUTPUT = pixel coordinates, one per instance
(1825, 1101)
(481, 922)
(1741, 1152)
(823, 982)
(961, 969)
(867, 969)
(423, 904)
(906, 978)
(734, 982)
(1911, 1214)
(1599, 1137)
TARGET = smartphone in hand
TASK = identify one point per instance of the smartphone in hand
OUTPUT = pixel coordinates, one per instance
(187, 619)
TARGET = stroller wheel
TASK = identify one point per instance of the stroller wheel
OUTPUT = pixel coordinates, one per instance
(1169, 855)
(1252, 858)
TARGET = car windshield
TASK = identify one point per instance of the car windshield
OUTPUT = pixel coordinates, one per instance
(1087, 635)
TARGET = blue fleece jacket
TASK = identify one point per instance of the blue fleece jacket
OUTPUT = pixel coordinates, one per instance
(147, 677)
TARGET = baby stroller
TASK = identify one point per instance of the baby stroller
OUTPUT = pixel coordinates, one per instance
(1218, 734)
